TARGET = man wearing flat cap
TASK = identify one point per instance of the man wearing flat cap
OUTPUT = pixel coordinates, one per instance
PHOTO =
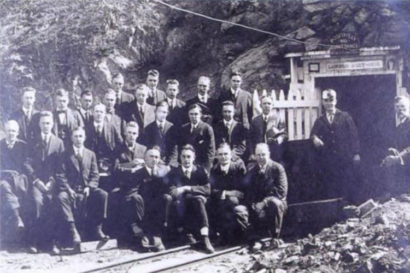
(335, 139)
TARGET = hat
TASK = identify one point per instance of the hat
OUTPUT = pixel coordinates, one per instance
(329, 94)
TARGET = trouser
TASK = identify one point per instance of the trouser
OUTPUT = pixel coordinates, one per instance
(154, 215)
(131, 213)
(191, 212)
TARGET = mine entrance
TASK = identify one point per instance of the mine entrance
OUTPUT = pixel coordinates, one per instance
(369, 100)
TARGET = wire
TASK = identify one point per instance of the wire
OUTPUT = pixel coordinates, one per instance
(236, 24)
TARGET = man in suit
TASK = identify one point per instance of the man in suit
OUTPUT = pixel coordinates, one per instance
(79, 199)
(44, 169)
(227, 195)
(139, 110)
(204, 100)
(111, 115)
(27, 117)
(65, 119)
(265, 195)
(200, 135)
(155, 95)
(189, 190)
(123, 98)
(177, 113)
(86, 110)
(230, 131)
(335, 138)
(268, 128)
(242, 100)
(162, 133)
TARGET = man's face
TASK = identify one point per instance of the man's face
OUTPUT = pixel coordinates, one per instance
(262, 155)
(329, 104)
(117, 84)
(224, 155)
(172, 91)
(62, 102)
(187, 158)
(194, 115)
(46, 124)
(28, 99)
(12, 131)
(152, 158)
(236, 82)
(161, 113)
(203, 87)
(228, 112)
(141, 96)
(78, 138)
(99, 114)
(131, 135)
(266, 106)
(109, 101)
(152, 81)
(86, 102)
(402, 109)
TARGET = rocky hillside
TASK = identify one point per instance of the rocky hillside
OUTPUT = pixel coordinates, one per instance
(79, 44)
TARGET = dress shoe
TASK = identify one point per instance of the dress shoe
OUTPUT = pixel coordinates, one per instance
(158, 245)
(190, 239)
(75, 236)
(207, 245)
(32, 250)
(257, 246)
(99, 234)
(55, 250)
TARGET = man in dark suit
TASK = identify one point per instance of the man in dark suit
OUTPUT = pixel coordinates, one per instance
(204, 100)
(123, 98)
(155, 95)
(79, 199)
(268, 128)
(200, 135)
(111, 115)
(177, 113)
(27, 117)
(336, 141)
(241, 98)
(65, 119)
(265, 195)
(162, 133)
(139, 110)
(189, 190)
(86, 109)
(230, 131)
(44, 169)
(227, 195)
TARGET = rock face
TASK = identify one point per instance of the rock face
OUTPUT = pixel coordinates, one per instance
(79, 44)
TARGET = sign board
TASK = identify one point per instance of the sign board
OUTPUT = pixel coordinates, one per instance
(345, 43)
(359, 65)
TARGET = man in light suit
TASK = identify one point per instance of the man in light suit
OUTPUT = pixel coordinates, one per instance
(27, 117)
(177, 113)
(200, 135)
(241, 98)
(86, 109)
(122, 98)
(65, 119)
(79, 199)
(111, 115)
(155, 95)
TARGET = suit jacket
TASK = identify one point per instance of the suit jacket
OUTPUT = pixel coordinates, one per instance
(243, 106)
(85, 120)
(14, 158)
(121, 105)
(198, 181)
(208, 109)
(166, 140)
(260, 185)
(79, 173)
(29, 129)
(402, 135)
(202, 139)
(232, 180)
(157, 97)
(134, 115)
(265, 132)
(73, 120)
(340, 138)
(177, 115)
(45, 162)
(118, 123)
(235, 136)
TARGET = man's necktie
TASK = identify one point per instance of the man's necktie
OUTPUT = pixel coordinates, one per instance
(161, 128)
(265, 126)
(186, 173)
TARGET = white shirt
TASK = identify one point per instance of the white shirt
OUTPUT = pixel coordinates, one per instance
(185, 170)
(234, 92)
(193, 126)
(27, 112)
(228, 124)
(330, 116)
(99, 126)
(203, 99)
(45, 137)
(149, 170)
(262, 169)
(225, 168)
(10, 144)
(171, 102)
(78, 151)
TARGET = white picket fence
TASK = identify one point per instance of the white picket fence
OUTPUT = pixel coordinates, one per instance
(299, 109)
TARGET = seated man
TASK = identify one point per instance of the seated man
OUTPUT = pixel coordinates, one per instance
(79, 199)
(227, 195)
(189, 190)
(266, 190)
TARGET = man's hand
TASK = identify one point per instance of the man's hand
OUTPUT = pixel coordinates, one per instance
(40, 185)
(258, 208)
(391, 161)
(393, 151)
(234, 193)
(86, 192)
(72, 194)
(179, 191)
(317, 142)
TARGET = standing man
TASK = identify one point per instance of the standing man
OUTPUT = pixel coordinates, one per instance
(177, 113)
(155, 95)
(111, 115)
(79, 199)
(200, 135)
(334, 136)
(189, 191)
(27, 117)
(204, 100)
(122, 98)
(65, 119)
(242, 100)
(266, 191)
(86, 110)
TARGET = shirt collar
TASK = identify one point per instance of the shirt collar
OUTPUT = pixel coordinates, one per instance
(27, 111)
(185, 169)
(203, 98)
(10, 144)
(46, 137)
(160, 123)
(171, 102)
(99, 124)
(78, 150)
(149, 170)
(225, 168)
(234, 92)
(228, 123)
